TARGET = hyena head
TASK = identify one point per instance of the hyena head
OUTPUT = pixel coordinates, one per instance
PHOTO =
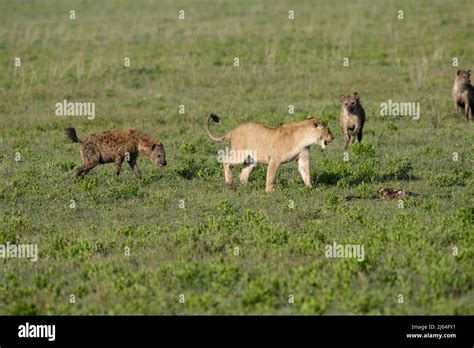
(350, 102)
(463, 77)
(158, 154)
(321, 132)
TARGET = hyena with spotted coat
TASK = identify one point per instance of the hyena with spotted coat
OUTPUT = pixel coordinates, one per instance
(351, 118)
(117, 146)
(463, 93)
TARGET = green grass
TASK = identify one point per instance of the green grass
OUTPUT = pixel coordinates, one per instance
(190, 250)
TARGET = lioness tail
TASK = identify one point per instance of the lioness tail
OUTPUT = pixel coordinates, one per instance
(214, 118)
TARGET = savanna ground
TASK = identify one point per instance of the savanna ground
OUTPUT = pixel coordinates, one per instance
(190, 249)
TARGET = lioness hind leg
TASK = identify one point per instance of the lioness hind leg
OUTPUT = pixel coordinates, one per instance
(244, 175)
(228, 174)
(271, 175)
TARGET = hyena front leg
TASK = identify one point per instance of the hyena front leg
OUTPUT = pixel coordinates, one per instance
(271, 175)
(347, 138)
(466, 111)
(353, 137)
(457, 109)
(118, 164)
(133, 164)
(303, 168)
(358, 133)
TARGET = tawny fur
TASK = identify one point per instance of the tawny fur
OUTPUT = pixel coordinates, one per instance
(117, 146)
(463, 93)
(351, 118)
(273, 146)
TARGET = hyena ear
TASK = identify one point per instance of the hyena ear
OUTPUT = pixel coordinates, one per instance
(154, 147)
(469, 72)
(341, 98)
(459, 71)
(310, 118)
(356, 95)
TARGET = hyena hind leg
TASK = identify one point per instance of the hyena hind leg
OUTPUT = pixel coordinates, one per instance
(85, 168)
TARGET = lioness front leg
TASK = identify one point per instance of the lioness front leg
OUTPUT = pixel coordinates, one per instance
(303, 168)
(271, 175)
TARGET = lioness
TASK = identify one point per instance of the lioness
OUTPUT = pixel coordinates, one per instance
(271, 145)
(463, 93)
(117, 146)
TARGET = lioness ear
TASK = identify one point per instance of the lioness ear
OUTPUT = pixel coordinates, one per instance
(459, 71)
(356, 95)
(318, 124)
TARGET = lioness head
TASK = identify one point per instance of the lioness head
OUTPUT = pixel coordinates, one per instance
(463, 76)
(158, 154)
(350, 102)
(322, 132)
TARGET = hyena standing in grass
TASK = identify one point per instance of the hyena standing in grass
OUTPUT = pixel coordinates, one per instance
(463, 93)
(351, 118)
(117, 146)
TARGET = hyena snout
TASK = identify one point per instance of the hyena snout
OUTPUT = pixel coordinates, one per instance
(161, 161)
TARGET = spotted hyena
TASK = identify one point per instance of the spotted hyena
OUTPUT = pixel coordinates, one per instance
(463, 93)
(351, 118)
(117, 146)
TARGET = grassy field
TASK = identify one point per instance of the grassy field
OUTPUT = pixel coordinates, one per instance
(181, 223)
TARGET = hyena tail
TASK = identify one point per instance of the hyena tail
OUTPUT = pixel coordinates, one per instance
(214, 118)
(71, 133)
